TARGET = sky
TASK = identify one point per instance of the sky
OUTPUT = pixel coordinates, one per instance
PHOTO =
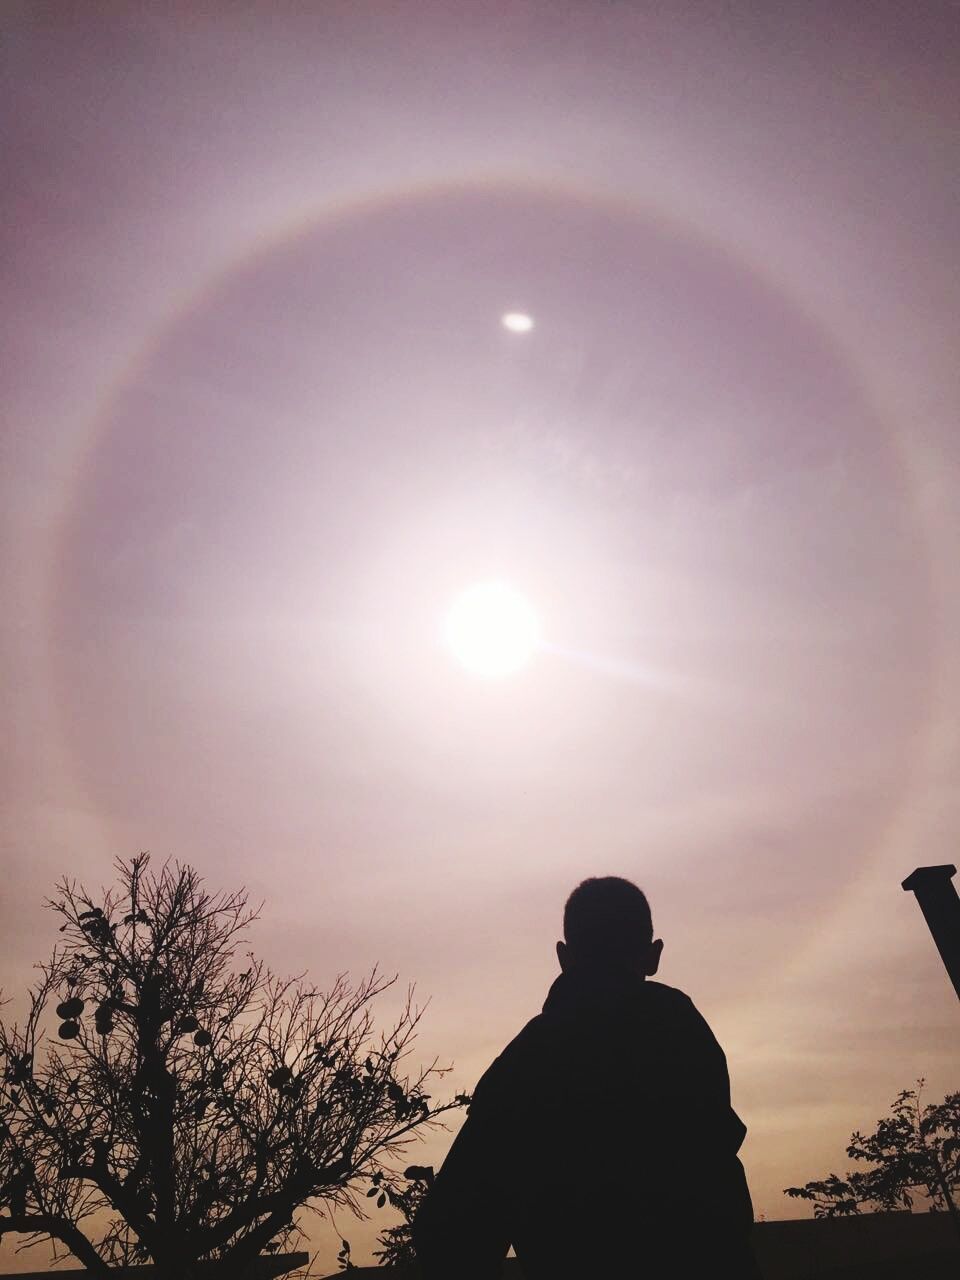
(262, 423)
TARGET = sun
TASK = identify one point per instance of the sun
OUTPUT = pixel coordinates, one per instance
(492, 629)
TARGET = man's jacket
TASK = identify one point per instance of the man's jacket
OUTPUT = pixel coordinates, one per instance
(600, 1143)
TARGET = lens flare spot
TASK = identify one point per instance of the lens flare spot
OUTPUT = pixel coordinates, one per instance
(517, 321)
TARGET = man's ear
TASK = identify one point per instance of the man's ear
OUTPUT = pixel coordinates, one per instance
(562, 956)
(653, 957)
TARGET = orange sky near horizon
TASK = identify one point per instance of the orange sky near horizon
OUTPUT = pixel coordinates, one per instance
(263, 423)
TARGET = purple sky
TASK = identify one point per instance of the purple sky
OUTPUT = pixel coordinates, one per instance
(262, 423)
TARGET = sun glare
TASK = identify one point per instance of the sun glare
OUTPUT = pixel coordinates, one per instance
(492, 629)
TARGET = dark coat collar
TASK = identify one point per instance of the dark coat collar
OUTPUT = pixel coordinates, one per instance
(589, 989)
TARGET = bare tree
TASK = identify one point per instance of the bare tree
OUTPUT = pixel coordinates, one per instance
(191, 1106)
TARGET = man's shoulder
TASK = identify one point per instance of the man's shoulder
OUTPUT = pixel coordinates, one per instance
(674, 1007)
(539, 1035)
(670, 1002)
(519, 1058)
(541, 1030)
(524, 1044)
(669, 997)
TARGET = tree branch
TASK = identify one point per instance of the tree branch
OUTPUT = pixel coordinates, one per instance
(59, 1229)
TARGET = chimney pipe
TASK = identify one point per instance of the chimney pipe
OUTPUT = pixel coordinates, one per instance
(941, 909)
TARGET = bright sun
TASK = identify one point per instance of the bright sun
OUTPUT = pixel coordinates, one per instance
(492, 629)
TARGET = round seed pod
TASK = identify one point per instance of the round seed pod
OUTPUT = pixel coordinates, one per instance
(202, 1038)
(68, 1030)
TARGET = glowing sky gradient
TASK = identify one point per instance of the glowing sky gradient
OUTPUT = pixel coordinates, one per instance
(263, 422)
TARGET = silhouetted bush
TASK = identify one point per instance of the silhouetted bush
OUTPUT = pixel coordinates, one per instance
(396, 1243)
(914, 1149)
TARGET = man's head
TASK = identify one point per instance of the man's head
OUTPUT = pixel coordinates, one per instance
(607, 924)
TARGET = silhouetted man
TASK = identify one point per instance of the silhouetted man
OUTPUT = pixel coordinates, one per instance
(601, 1142)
